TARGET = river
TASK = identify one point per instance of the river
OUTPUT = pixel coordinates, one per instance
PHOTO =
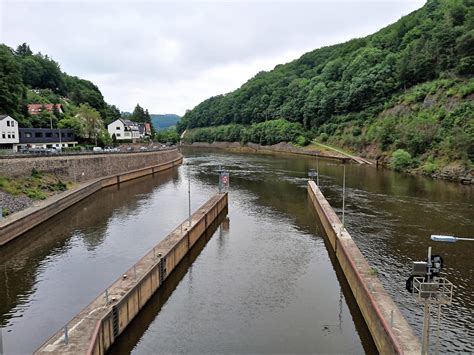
(265, 282)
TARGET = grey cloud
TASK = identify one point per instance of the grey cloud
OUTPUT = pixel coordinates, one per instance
(145, 46)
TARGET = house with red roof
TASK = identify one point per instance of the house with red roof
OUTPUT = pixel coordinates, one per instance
(35, 109)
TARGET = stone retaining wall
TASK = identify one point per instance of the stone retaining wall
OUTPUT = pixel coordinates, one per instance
(78, 168)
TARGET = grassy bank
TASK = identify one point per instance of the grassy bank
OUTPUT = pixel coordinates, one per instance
(37, 186)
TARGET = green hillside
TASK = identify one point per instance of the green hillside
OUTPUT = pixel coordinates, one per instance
(407, 89)
(27, 77)
(164, 121)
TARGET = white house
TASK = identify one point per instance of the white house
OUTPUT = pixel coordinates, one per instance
(9, 136)
(124, 130)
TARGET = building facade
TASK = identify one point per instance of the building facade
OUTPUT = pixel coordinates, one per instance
(31, 138)
(124, 130)
(9, 136)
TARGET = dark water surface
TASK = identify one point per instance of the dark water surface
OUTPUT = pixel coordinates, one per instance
(266, 284)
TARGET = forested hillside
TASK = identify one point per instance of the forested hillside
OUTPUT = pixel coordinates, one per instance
(163, 121)
(26, 78)
(406, 88)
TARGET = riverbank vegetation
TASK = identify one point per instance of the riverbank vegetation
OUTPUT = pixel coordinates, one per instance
(35, 78)
(407, 87)
(37, 186)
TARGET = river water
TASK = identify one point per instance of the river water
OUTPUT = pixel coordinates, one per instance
(265, 281)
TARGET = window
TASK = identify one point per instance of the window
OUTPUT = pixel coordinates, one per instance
(69, 135)
(63, 135)
(13, 123)
(9, 135)
(117, 135)
(38, 135)
(56, 135)
(3, 135)
(48, 135)
(13, 136)
(27, 134)
(117, 128)
(8, 123)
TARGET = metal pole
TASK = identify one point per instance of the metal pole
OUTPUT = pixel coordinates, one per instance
(189, 200)
(106, 297)
(343, 195)
(438, 330)
(1, 342)
(317, 171)
(426, 329)
(66, 337)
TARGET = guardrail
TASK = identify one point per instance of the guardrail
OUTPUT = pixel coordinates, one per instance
(86, 153)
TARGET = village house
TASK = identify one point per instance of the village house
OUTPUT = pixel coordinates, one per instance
(144, 130)
(9, 136)
(35, 109)
(124, 130)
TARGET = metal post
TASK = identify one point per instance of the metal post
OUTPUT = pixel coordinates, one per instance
(66, 336)
(343, 195)
(220, 178)
(1, 342)
(106, 297)
(426, 329)
(317, 171)
(189, 200)
(429, 264)
(438, 330)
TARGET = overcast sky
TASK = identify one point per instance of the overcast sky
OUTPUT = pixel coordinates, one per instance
(170, 56)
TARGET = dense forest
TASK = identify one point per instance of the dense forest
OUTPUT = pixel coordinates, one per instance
(407, 88)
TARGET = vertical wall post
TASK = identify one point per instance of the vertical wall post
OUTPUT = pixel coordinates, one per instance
(1, 342)
(343, 195)
(189, 200)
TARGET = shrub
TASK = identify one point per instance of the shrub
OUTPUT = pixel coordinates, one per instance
(5, 211)
(401, 160)
(323, 137)
(35, 194)
(36, 174)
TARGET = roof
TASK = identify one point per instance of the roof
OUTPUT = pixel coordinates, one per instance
(129, 124)
(3, 116)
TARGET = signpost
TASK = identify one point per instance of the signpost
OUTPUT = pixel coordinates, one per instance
(224, 179)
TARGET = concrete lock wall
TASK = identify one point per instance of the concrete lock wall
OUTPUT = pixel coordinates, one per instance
(85, 167)
(99, 324)
(389, 329)
(17, 224)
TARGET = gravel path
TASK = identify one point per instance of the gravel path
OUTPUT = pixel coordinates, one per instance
(14, 203)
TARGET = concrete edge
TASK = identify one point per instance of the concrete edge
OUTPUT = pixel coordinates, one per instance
(389, 329)
(14, 226)
(91, 331)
